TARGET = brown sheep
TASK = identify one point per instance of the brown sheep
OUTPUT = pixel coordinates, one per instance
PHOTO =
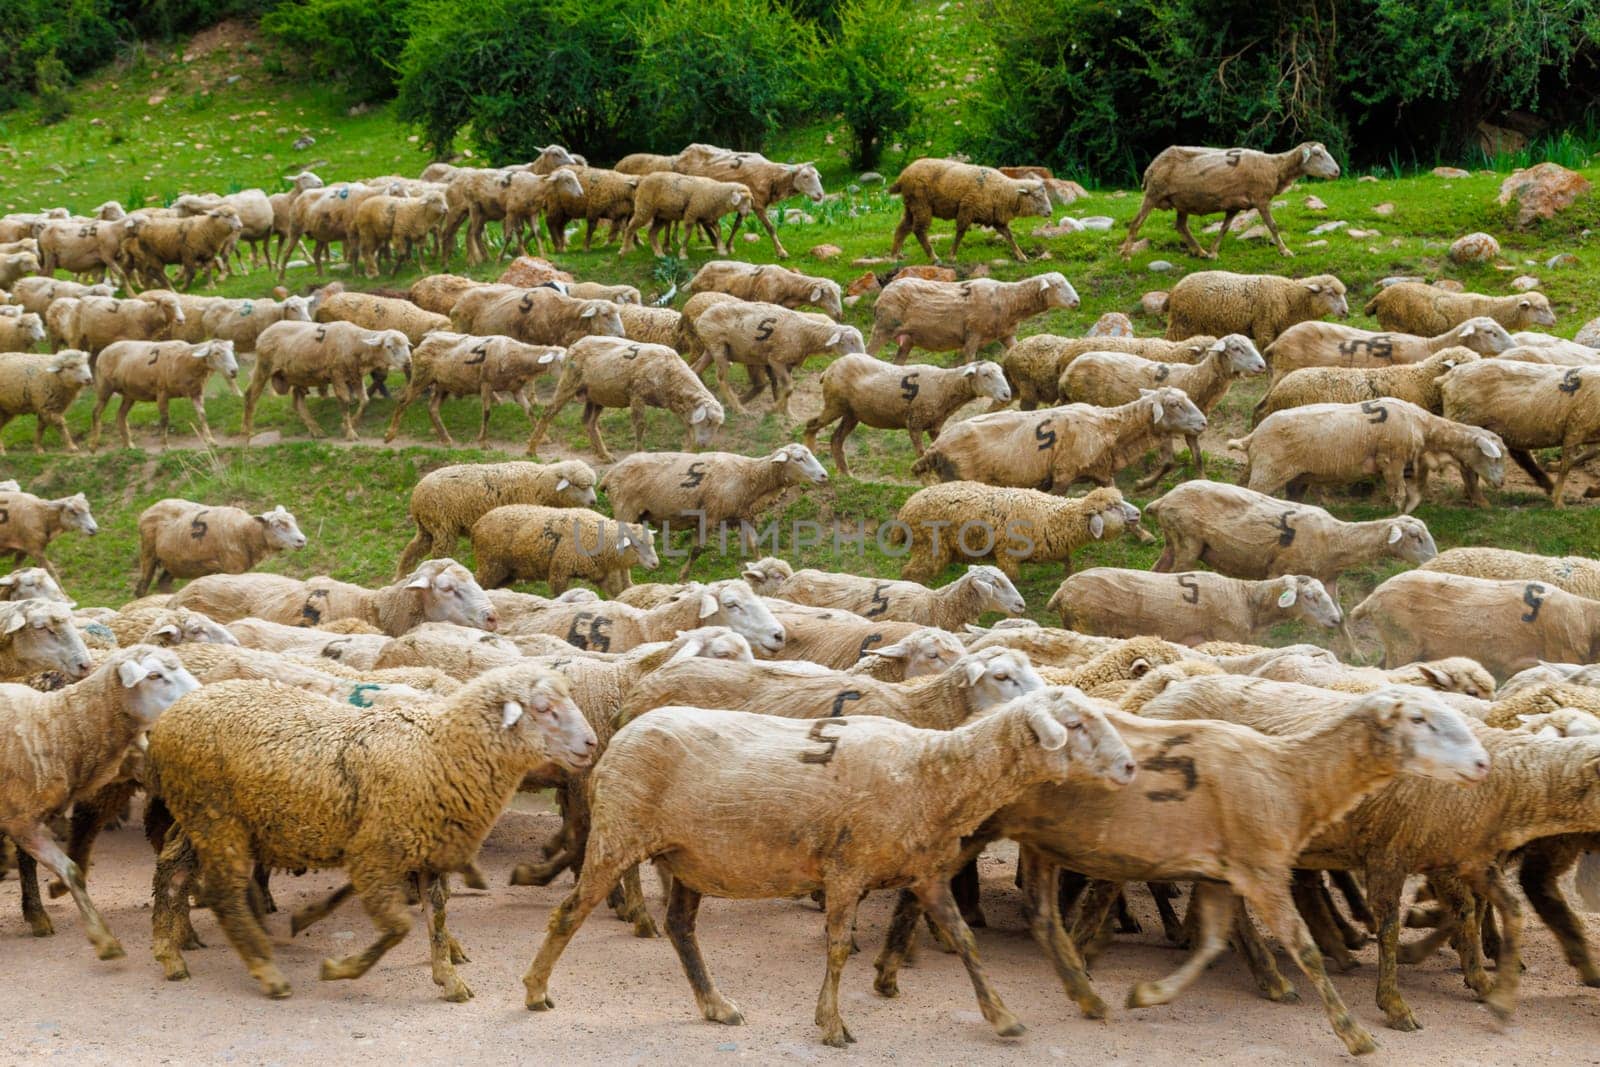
(962, 316)
(769, 340)
(691, 201)
(93, 322)
(196, 242)
(607, 195)
(29, 523)
(159, 371)
(1260, 306)
(1417, 382)
(768, 182)
(44, 387)
(1530, 406)
(537, 316)
(182, 539)
(1034, 365)
(394, 227)
(944, 189)
(1333, 344)
(770, 284)
(449, 364)
(300, 356)
(1412, 307)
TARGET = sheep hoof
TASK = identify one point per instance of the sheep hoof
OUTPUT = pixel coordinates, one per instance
(837, 1037)
(176, 970)
(1358, 1041)
(1502, 1005)
(886, 985)
(1146, 995)
(458, 993)
(644, 926)
(42, 926)
(540, 1003)
(57, 888)
(1402, 1020)
(1011, 1028)
(109, 949)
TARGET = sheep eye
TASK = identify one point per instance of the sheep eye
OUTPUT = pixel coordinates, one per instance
(1419, 719)
(1074, 725)
(1002, 677)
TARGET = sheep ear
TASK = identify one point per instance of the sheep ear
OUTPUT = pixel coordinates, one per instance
(130, 673)
(816, 295)
(1305, 155)
(1044, 284)
(1139, 668)
(780, 457)
(1156, 412)
(708, 605)
(1287, 598)
(1524, 717)
(1488, 448)
(1439, 679)
(835, 337)
(1220, 346)
(169, 630)
(691, 648)
(373, 340)
(973, 672)
(562, 484)
(16, 622)
(1468, 330)
(1547, 730)
(1051, 734)
(510, 712)
(1395, 534)
(898, 650)
(547, 357)
(200, 351)
(1313, 287)
(969, 370)
(421, 581)
(698, 416)
(588, 313)
(1097, 526)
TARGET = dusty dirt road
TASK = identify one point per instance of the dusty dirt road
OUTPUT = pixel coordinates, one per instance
(622, 1001)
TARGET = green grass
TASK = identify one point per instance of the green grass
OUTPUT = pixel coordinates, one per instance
(208, 134)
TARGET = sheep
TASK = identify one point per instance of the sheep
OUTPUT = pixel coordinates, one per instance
(1245, 534)
(241, 321)
(617, 373)
(283, 213)
(1259, 305)
(460, 652)
(1529, 406)
(768, 182)
(1053, 448)
(35, 295)
(93, 322)
(327, 214)
(980, 590)
(527, 200)
(183, 539)
(1507, 625)
(380, 313)
(638, 814)
(944, 189)
(84, 249)
(1552, 356)
(1334, 444)
(1034, 365)
(44, 387)
(613, 627)
(1107, 379)
(475, 195)
(449, 364)
(935, 523)
(198, 242)
(641, 163)
(63, 747)
(38, 635)
(439, 590)
(1333, 344)
(1569, 673)
(538, 316)
(396, 226)
(1419, 383)
(527, 542)
(1453, 674)
(769, 338)
(29, 523)
(438, 293)
(705, 492)
(30, 583)
(1204, 181)
(863, 390)
(257, 771)
(159, 371)
(1577, 575)
(20, 333)
(688, 342)
(255, 211)
(1189, 608)
(764, 576)
(769, 284)
(299, 356)
(657, 326)
(445, 503)
(17, 265)
(607, 195)
(360, 652)
(663, 197)
(962, 316)
(1413, 307)
(192, 329)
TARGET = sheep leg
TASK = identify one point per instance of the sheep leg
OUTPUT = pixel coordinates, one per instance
(169, 914)
(1164, 893)
(1213, 905)
(566, 389)
(1181, 223)
(1272, 227)
(725, 379)
(636, 415)
(1543, 864)
(600, 873)
(407, 398)
(962, 223)
(841, 903)
(1524, 459)
(1349, 936)
(1491, 885)
(33, 912)
(783, 386)
(1383, 893)
(35, 840)
(319, 910)
(1316, 909)
(682, 910)
(226, 877)
(1258, 958)
(1004, 230)
(591, 423)
(1227, 224)
(1145, 207)
(836, 444)
(441, 946)
(896, 944)
(1044, 900)
(1557, 492)
(1164, 463)
(941, 906)
(304, 412)
(901, 231)
(1271, 902)
(1346, 882)
(632, 909)
(122, 421)
(385, 904)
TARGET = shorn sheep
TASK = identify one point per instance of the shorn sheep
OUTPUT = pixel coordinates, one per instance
(691, 202)
(771, 341)
(299, 356)
(1034, 365)
(767, 180)
(259, 772)
(1333, 344)
(1190, 608)
(962, 316)
(29, 523)
(1261, 306)
(610, 626)
(19, 333)
(445, 503)
(38, 635)
(769, 284)
(449, 364)
(1204, 181)
(1578, 575)
(159, 371)
(183, 539)
(1418, 383)
(1412, 307)
(814, 779)
(526, 542)
(861, 390)
(44, 387)
(982, 589)
(944, 189)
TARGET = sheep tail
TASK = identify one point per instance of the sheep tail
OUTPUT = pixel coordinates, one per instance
(1240, 444)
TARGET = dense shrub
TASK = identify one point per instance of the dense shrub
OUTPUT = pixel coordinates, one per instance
(79, 34)
(354, 42)
(865, 73)
(170, 18)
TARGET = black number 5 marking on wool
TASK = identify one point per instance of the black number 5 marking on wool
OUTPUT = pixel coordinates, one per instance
(830, 744)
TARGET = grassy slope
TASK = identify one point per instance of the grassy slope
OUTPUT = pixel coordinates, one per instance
(208, 134)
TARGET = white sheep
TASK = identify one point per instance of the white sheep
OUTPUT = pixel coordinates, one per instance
(183, 539)
(159, 371)
(1189, 608)
(977, 592)
(44, 387)
(962, 316)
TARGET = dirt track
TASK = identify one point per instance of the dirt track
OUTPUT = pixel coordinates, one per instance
(621, 1000)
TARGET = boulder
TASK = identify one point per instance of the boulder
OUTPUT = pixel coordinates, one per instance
(867, 283)
(1543, 190)
(1449, 285)
(1314, 203)
(1450, 172)
(822, 252)
(1474, 248)
(1111, 324)
(528, 271)
(1384, 208)
(1523, 282)
(1154, 302)
(1589, 334)
(1160, 266)
(928, 271)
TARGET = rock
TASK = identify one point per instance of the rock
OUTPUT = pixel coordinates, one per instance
(867, 283)
(1315, 204)
(1474, 248)
(870, 177)
(852, 301)
(1328, 227)
(156, 99)
(1561, 259)
(280, 292)
(1255, 233)
(1154, 302)
(1160, 266)
(981, 270)
(870, 261)
(1064, 192)
(303, 142)
(1449, 285)
(1141, 245)
(1396, 279)
(1589, 334)
(1362, 235)
(1059, 229)
(1097, 222)
(1450, 172)
(1025, 173)
(751, 238)
(268, 437)
(1245, 220)
(1367, 178)
(792, 216)
(822, 252)
(1523, 282)
(1111, 324)
(1384, 209)
(529, 270)
(928, 271)
(999, 261)
(1320, 242)
(1497, 139)
(1541, 191)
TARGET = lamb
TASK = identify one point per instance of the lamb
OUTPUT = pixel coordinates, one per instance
(1204, 181)
(396, 226)
(44, 387)
(1260, 305)
(159, 371)
(301, 356)
(255, 211)
(962, 316)
(439, 590)
(1530, 406)
(980, 590)
(1107, 379)
(38, 635)
(705, 492)
(198, 242)
(861, 389)
(1507, 625)
(770, 285)
(35, 295)
(537, 316)
(183, 539)
(944, 189)
(1034, 365)
(1332, 344)
(1412, 307)
(768, 182)
(383, 794)
(241, 321)
(63, 747)
(449, 364)
(447, 502)
(1053, 448)
(29, 523)
(20, 333)
(1189, 608)
(1245, 534)
(181, 626)
(607, 195)
(1335, 444)
(527, 199)
(93, 322)
(380, 313)
(527, 542)
(1037, 526)
(662, 198)
(769, 338)
(1577, 575)
(1419, 383)
(639, 814)
(617, 373)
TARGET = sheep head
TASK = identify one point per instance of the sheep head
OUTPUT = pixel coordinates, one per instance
(988, 379)
(41, 637)
(281, 531)
(1074, 735)
(1433, 739)
(799, 464)
(1316, 162)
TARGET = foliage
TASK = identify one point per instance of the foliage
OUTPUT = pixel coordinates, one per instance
(50, 84)
(866, 72)
(79, 34)
(355, 42)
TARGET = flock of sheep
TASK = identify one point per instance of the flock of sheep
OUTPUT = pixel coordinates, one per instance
(745, 735)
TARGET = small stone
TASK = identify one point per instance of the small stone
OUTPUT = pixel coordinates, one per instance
(1561, 259)
(155, 99)
(1523, 282)
(1141, 245)
(1450, 172)
(1367, 178)
(1160, 266)
(1154, 302)
(533, 270)
(1362, 235)
(1384, 208)
(1058, 229)
(1396, 279)
(981, 270)
(752, 238)
(1328, 227)
(927, 271)
(1315, 204)
(1111, 324)
(303, 142)
(1474, 248)
(1101, 223)
(1245, 220)
(822, 252)
(870, 177)
(870, 261)
(867, 283)
(852, 301)
(1449, 285)
(1320, 242)
(1589, 334)
(1255, 233)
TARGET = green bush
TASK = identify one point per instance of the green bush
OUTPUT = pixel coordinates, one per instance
(865, 73)
(80, 34)
(50, 84)
(354, 42)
